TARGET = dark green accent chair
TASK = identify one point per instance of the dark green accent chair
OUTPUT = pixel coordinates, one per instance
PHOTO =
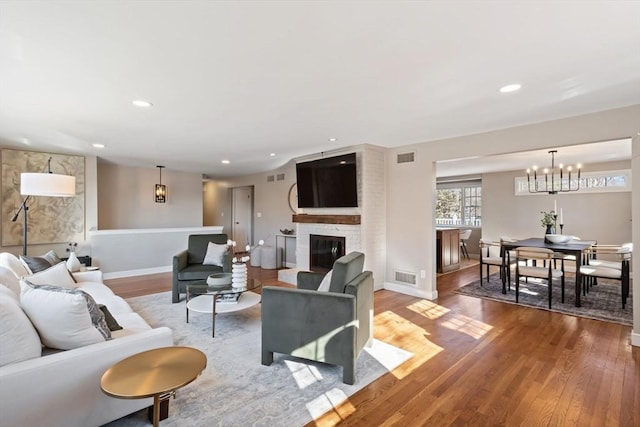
(188, 267)
(331, 327)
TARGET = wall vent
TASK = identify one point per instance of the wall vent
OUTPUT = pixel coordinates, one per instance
(270, 178)
(280, 177)
(407, 157)
(406, 277)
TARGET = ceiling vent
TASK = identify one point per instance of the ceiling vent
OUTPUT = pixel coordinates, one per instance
(406, 277)
(407, 157)
(280, 177)
(270, 178)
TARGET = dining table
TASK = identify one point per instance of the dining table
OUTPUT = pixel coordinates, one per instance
(573, 247)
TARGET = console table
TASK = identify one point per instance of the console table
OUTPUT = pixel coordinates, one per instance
(285, 237)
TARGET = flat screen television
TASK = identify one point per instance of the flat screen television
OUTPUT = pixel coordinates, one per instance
(328, 183)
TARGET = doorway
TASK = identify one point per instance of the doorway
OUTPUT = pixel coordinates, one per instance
(242, 216)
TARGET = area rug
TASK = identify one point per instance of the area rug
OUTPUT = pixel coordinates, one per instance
(236, 389)
(603, 302)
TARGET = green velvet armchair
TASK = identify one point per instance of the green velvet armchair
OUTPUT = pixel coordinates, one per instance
(331, 327)
(188, 267)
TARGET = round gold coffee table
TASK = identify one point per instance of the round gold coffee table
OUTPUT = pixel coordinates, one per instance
(153, 373)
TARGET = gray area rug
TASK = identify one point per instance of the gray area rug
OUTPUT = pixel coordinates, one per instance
(603, 302)
(236, 389)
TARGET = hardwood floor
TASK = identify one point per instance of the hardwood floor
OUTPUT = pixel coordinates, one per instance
(479, 362)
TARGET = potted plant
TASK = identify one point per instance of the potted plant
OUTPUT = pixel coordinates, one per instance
(548, 221)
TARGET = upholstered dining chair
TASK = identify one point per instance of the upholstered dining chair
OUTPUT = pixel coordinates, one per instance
(464, 236)
(570, 260)
(604, 269)
(527, 259)
(491, 255)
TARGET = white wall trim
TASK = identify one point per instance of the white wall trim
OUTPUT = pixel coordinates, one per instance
(420, 293)
(635, 339)
(213, 229)
(139, 272)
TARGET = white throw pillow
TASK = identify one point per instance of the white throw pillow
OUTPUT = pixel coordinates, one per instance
(326, 282)
(19, 338)
(13, 263)
(8, 279)
(56, 275)
(215, 254)
(64, 318)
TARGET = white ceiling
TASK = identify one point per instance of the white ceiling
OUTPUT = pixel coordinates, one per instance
(584, 154)
(240, 80)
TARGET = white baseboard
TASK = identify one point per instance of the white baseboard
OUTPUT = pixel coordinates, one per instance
(140, 272)
(407, 290)
(635, 339)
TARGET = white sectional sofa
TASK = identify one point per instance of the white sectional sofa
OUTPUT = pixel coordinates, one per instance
(62, 387)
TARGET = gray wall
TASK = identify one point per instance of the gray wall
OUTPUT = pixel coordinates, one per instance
(270, 200)
(125, 198)
(605, 217)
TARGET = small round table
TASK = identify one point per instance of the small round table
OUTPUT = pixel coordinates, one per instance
(153, 373)
(208, 302)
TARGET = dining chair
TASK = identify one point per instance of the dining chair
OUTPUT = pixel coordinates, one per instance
(464, 236)
(526, 266)
(615, 270)
(609, 253)
(570, 265)
(490, 254)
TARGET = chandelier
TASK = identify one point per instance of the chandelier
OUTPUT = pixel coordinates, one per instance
(553, 184)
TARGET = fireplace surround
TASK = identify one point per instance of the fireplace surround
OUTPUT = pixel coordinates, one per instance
(324, 251)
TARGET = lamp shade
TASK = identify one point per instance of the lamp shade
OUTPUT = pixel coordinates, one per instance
(47, 184)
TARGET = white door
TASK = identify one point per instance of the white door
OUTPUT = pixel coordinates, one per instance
(242, 214)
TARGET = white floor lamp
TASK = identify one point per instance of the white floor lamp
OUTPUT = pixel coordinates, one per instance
(42, 184)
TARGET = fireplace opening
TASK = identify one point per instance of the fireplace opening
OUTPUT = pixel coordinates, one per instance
(324, 251)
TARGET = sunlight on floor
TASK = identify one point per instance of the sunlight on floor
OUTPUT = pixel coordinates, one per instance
(532, 280)
(334, 401)
(304, 375)
(461, 323)
(428, 309)
(409, 337)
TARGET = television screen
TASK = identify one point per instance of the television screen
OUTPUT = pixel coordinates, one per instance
(328, 183)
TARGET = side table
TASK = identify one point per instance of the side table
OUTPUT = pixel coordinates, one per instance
(156, 373)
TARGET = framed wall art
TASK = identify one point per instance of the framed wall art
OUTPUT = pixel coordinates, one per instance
(51, 219)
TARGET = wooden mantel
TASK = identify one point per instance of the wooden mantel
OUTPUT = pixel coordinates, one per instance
(327, 219)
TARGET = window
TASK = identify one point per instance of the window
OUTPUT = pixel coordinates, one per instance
(459, 203)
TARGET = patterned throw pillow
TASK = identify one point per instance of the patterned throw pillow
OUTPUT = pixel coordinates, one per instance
(112, 323)
(52, 257)
(64, 318)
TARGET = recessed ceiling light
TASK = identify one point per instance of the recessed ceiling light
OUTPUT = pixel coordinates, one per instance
(26, 141)
(272, 154)
(333, 139)
(142, 103)
(226, 162)
(510, 88)
(98, 145)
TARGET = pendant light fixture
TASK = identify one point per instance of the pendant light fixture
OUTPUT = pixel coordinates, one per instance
(160, 190)
(553, 184)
